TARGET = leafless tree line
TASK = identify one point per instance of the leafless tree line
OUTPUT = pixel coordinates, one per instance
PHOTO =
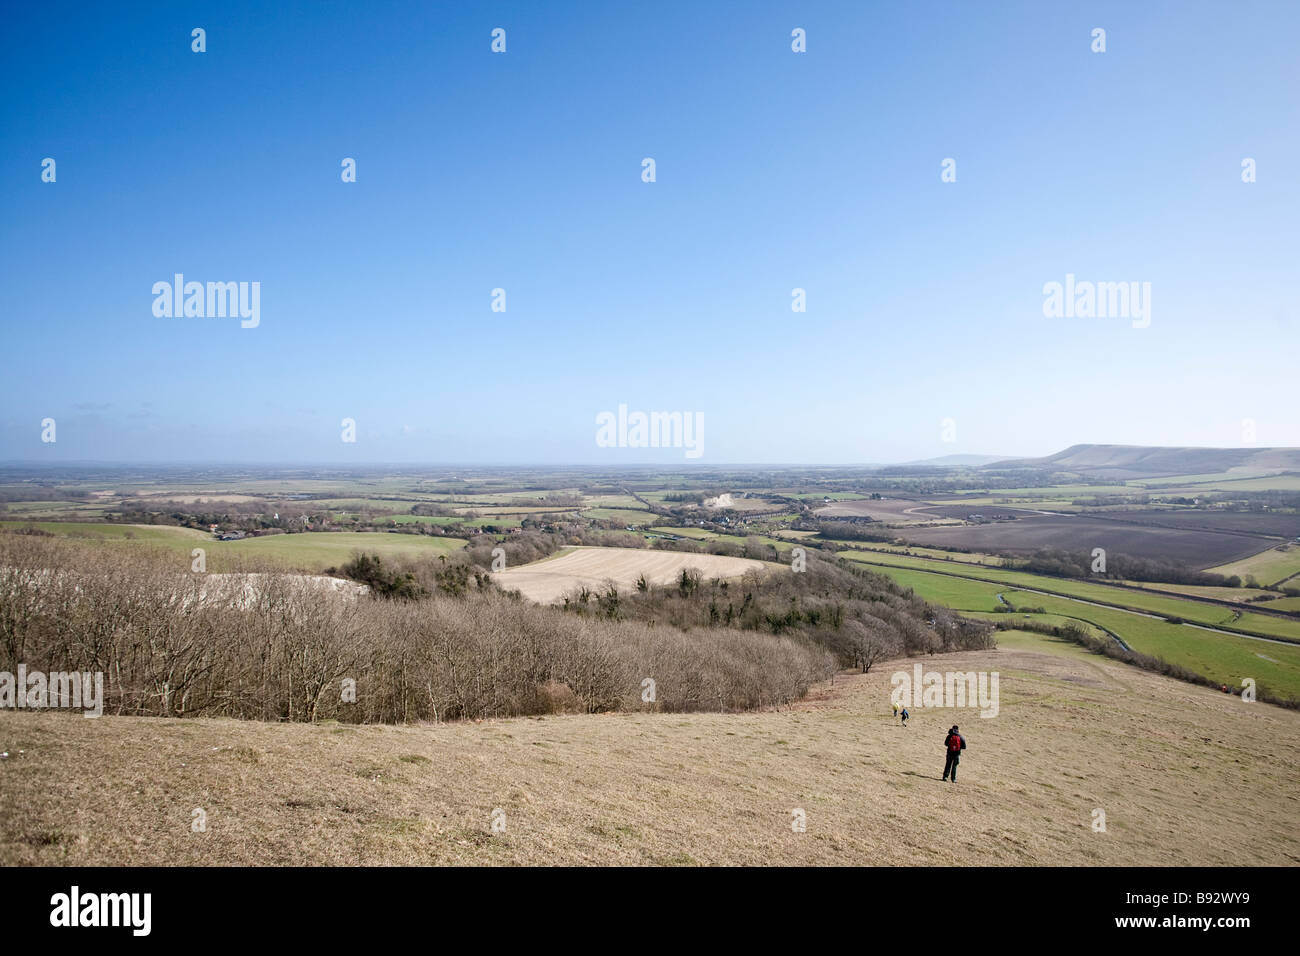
(275, 646)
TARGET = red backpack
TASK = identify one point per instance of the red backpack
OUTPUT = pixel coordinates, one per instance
(954, 743)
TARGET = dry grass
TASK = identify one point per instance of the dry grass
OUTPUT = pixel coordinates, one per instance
(548, 581)
(1186, 777)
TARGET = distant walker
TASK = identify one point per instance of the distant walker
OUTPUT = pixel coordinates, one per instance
(954, 744)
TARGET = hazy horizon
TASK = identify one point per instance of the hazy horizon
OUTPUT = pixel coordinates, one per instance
(658, 465)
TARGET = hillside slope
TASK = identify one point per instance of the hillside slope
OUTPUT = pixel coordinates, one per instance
(1185, 776)
(1143, 461)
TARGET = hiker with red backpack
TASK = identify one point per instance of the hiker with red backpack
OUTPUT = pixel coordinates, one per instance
(954, 743)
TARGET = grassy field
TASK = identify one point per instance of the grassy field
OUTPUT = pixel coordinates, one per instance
(1235, 595)
(1223, 482)
(312, 551)
(1186, 776)
(1167, 605)
(698, 534)
(1050, 620)
(156, 534)
(626, 516)
(613, 501)
(959, 593)
(439, 520)
(938, 554)
(1050, 491)
(1221, 657)
(1267, 567)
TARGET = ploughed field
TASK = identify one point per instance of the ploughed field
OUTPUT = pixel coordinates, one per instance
(548, 580)
(1184, 776)
(1196, 547)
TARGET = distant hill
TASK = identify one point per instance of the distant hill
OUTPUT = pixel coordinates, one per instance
(1146, 461)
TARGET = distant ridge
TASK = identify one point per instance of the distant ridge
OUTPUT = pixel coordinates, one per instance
(1147, 461)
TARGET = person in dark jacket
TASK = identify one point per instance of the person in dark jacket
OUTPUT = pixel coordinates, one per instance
(954, 744)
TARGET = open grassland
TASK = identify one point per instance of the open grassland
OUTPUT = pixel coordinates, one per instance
(1186, 776)
(309, 551)
(961, 594)
(440, 520)
(317, 550)
(1199, 484)
(1233, 595)
(1047, 491)
(1167, 605)
(548, 581)
(1224, 658)
(612, 501)
(357, 505)
(938, 554)
(626, 516)
(156, 534)
(1048, 620)
(1267, 567)
(696, 534)
(51, 509)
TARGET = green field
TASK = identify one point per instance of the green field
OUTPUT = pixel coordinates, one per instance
(699, 534)
(1049, 491)
(612, 501)
(381, 505)
(1151, 602)
(625, 516)
(1236, 595)
(1224, 481)
(1033, 641)
(498, 522)
(1221, 657)
(93, 531)
(438, 520)
(1051, 620)
(311, 551)
(1267, 567)
(938, 554)
(958, 593)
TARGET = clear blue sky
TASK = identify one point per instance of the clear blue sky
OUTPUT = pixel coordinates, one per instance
(775, 170)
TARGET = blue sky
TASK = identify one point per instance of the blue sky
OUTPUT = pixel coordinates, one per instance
(522, 171)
